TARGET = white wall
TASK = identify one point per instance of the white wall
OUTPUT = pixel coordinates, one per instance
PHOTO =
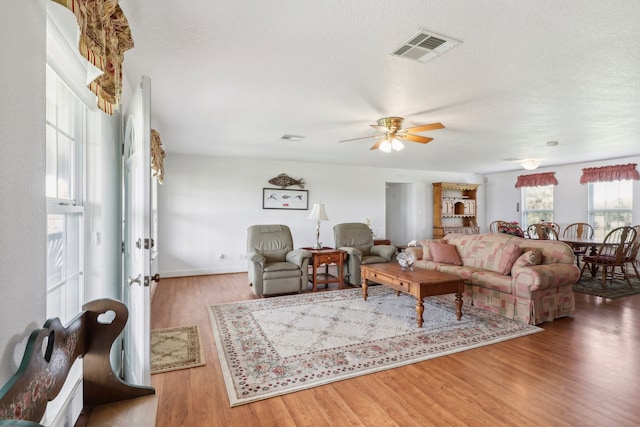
(22, 178)
(207, 203)
(569, 197)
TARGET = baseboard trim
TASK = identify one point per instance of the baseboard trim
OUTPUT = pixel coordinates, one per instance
(203, 271)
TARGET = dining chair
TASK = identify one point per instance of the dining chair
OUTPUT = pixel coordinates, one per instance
(581, 230)
(613, 252)
(494, 227)
(632, 258)
(555, 226)
(542, 231)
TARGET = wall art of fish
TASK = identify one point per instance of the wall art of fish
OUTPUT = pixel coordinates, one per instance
(283, 180)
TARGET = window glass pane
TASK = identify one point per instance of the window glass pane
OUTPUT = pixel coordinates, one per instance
(55, 249)
(65, 102)
(65, 162)
(537, 205)
(73, 244)
(610, 206)
(52, 162)
(55, 305)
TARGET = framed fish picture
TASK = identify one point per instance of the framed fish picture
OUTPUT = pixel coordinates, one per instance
(276, 198)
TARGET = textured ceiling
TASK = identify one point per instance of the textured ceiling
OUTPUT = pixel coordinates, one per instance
(231, 78)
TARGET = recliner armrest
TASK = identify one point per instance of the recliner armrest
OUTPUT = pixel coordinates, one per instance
(385, 251)
(298, 256)
(256, 257)
(352, 251)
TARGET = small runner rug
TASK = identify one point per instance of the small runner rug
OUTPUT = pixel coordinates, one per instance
(615, 289)
(273, 346)
(176, 348)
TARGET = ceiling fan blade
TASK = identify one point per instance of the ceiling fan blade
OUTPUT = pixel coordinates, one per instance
(417, 138)
(364, 137)
(423, 128)
(377, 144)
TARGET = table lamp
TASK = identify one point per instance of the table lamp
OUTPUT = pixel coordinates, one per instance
(318, 214)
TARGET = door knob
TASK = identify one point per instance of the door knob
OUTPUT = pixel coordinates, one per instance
(156, 278)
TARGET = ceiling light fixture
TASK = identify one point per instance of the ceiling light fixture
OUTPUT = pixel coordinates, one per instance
(530, 164)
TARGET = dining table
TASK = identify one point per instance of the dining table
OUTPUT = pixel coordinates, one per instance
(580, 242)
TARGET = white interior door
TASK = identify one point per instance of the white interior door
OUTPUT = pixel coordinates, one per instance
(137, 235)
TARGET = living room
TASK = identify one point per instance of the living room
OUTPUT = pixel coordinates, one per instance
(208, 201)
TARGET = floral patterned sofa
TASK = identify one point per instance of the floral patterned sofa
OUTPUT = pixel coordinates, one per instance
(523, 279)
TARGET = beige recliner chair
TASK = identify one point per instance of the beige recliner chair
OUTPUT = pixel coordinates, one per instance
(274, 266)
(356, 239)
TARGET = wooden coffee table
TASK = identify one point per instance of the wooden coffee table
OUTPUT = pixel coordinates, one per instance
(420, 283)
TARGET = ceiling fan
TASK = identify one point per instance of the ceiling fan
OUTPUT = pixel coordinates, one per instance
(391, 127)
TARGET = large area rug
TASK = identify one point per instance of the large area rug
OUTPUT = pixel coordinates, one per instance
(272, 346)
(615, 289)
(176, 348)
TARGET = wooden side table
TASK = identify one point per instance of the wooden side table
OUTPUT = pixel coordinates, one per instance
(326, 256)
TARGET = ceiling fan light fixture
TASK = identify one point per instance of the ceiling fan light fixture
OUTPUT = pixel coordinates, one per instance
(396, 145)
(385, 146)
(530, 164)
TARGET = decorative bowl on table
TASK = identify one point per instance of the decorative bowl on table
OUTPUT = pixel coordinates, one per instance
(406, 260)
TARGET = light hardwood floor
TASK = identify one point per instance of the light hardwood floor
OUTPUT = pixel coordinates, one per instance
(581, 371)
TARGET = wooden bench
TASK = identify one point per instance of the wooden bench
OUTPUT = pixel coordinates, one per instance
(48, 358)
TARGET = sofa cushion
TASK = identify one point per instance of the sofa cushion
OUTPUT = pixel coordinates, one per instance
(510, 254)
(444, 253)
(426, 253)
(492, 280)
(530, 257)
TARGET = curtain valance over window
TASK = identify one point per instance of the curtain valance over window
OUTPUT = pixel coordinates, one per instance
(104, 37)
(537, 180)
(610, 173)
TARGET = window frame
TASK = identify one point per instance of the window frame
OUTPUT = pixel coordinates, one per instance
(65, 261)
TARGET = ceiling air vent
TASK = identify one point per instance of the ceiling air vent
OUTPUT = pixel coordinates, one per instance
(287, 137)
(425, 46)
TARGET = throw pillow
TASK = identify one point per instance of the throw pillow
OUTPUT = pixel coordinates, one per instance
(444, 253)
(426, 253)
(532, 257)
(510, 254)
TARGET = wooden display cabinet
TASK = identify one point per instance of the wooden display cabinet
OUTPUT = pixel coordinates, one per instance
(454, 208)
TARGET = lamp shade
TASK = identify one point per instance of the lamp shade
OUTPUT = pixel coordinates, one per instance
(318, 213)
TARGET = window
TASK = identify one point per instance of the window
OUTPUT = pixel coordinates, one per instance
(537, 205)
(64, 191)
(610, 206)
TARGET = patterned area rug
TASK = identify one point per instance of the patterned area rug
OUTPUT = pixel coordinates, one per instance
(615, 289)
(273, 346)
(176, 348)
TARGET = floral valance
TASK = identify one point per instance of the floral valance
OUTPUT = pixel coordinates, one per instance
(104, 37)
(609, 173)
(157, 156)
(537, 180)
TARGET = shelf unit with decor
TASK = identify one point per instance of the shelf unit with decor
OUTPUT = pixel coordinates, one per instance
(454, 208)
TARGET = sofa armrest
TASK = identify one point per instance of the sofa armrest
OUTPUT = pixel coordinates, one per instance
(298, 256)
(385, 251)
(536, 277)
